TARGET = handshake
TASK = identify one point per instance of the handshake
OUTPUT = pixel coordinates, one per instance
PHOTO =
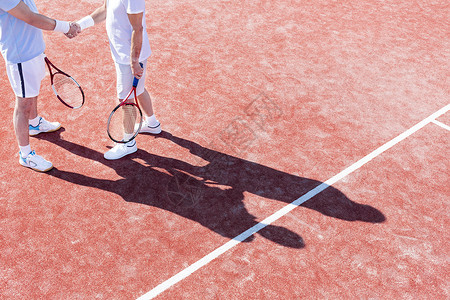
(72, 29)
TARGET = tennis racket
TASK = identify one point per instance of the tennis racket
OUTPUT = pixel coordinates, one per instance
(66, 89)
(125, 120)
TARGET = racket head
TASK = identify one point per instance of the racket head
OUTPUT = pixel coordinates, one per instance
(124, 122)
(67, 90)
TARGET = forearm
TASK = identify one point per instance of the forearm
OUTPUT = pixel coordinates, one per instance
(23, 12)
(136, 45)
(99, 15)
(42, 22)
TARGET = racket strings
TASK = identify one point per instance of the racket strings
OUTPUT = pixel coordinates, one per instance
(123, 124)
(68, 90)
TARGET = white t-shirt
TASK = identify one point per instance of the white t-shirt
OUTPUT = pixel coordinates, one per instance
(119, 29)
(19, 41)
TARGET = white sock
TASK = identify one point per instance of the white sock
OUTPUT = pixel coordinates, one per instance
(25, 150)
(151, 121)
(34, 122)
(127, 136)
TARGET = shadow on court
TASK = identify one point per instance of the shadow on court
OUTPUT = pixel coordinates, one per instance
(212, 194)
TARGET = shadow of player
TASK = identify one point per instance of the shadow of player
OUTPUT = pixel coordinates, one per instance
(212, 194)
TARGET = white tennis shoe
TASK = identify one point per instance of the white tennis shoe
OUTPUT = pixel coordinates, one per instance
(43, 126)
(146, 128)
(35, 162)
(120, 150)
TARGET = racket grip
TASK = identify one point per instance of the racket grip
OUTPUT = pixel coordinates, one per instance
(136, 81)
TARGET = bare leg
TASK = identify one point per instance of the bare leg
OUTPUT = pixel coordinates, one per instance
(145, 102)
(33, 109)
(25, 109)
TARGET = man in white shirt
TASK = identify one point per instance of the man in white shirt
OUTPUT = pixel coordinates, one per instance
(22, 46)
(128, 40)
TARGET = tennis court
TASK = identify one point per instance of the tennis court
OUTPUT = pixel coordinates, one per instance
(304, 155)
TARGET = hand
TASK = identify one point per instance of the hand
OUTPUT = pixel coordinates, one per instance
(74, 30)
(137, 70)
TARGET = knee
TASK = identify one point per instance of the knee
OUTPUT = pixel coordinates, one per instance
(24, 105)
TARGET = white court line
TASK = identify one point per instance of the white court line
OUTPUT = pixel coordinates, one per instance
(441, 124)
(285, 210)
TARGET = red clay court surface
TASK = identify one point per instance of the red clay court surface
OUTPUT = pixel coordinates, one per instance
(262, 104)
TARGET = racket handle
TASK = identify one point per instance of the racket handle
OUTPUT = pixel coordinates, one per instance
(136, 81)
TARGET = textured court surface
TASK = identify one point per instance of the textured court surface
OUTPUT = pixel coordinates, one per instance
(260, 103)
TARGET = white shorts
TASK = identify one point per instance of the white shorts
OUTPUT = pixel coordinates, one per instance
(125, 80)
(25, 78)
